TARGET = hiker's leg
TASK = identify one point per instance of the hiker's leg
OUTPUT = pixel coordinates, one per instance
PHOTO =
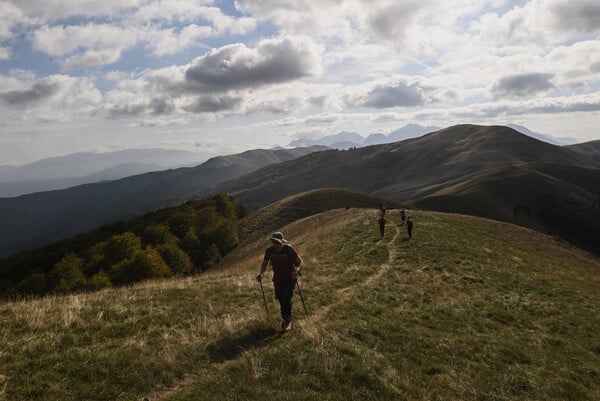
(287, 292)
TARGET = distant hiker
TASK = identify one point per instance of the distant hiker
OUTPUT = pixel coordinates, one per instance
(381, 222)
(409, 226)
(381, 209)
(286, 265)
(403, 215)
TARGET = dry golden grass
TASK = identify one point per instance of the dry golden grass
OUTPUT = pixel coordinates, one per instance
(469, 309)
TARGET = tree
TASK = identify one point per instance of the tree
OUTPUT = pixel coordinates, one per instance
(158, 235)
(226, 206)
(178, 260)
(213, 256)
(121, 247)
(34, 284)
(181, 223)
(99, 281)
(144, 264)
(67, 275)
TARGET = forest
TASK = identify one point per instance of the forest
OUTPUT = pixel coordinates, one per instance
(181, 240)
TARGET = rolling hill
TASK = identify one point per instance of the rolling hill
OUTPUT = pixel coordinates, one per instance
(490, 171)
(469, 309)
(35, 219)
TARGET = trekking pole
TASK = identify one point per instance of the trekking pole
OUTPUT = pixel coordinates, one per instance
(264, 299)
(301, 297)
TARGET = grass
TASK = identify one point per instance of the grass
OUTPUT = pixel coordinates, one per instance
(469, 309)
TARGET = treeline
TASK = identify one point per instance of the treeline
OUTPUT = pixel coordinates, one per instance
(174, 241)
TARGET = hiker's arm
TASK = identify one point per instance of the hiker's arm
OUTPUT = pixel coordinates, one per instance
(263, 267)
(298, 263)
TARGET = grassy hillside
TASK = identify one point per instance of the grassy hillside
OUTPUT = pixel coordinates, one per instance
(295, 207)
(488, 171)
(469, 309)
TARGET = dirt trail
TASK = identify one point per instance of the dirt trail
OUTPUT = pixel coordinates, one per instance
(345, 294)
(308, 326)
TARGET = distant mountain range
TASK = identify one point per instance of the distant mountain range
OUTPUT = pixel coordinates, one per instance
(82, 168)
(38, 218)
(347, 140)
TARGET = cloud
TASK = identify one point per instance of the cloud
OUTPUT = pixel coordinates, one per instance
(4, 53)
(523, 85)
(543, 106)
(124, 110)
(56, 98)
(400, 94)
(581, 16)
(161, 105)
(214, 104)
(61, 40)
(11, 16)
(38, 91)
(391, 21)
(237, 66)
(169, 41)
(93, 58)
(47, 10)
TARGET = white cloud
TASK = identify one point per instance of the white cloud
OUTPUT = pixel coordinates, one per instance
(237, 66)
(10, 16)
(49, 10)
(93, 58)
(56, 98)
(4, 53)
(401, 93)
(522, 85)
(581, 16)
(61, 40)
(168, 41)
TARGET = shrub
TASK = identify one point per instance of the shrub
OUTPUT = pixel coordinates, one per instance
(158, 235)
(178, 260)
(67, 275)
(99, 281)
(32, 285)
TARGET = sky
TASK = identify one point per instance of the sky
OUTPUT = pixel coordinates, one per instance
(223, 76)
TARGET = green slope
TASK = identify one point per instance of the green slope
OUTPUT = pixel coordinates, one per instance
(469, 309)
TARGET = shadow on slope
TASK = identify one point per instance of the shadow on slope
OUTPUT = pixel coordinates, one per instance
(551, 198)
(232, 346)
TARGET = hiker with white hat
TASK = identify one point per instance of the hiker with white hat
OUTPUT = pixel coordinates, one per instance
(286, 265)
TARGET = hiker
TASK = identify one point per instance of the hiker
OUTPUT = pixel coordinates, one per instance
(381, 222)
(409, 226)
(286, 265)
(403, 215)
(381, 209)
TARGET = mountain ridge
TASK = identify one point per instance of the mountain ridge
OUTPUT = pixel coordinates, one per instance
(414, 169)
(37, 218)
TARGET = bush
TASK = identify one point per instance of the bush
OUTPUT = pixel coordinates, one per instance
(67, 275)
(144, 264)
(99, 281)
(158, 235)
(178, 260)
(33, 285)
(122, 246)
(213, 256)
(181, 223)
